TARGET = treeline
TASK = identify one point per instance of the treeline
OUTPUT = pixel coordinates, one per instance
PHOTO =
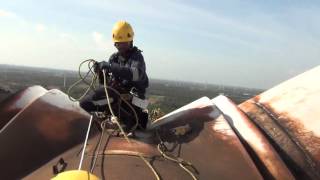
(166, 95)
(178, 94)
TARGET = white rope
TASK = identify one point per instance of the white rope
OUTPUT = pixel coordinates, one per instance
(85, 144)
(180, 161)
(103, 125)
(123, 132)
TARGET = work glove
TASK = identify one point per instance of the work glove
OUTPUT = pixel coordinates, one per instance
(96, 67)
(103, 65)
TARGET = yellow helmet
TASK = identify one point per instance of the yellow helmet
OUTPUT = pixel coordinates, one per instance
(122, 32)
(75, 175)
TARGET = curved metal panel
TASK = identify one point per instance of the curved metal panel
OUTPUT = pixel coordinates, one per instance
(280, 139)
(270, 163)
(210, 145)
(39, 133)
(293, 106)
(15, 103)
(201, 109)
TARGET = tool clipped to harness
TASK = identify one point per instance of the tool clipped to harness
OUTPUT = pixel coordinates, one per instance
(141, 103)
(59, 167)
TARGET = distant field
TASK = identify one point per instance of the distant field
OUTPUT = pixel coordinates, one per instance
(163, 94)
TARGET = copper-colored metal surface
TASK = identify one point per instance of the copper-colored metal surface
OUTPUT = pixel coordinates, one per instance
(202, 109)
(12, 105)
(214, 135)
(270, 163)
(294, 107)
(118, 145)
(211, 146)
(288, 149)
(46, 128)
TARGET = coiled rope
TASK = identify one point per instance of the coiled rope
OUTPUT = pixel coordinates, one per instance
(113, 117)
(122, 131)
(182, 163)
(83, 79)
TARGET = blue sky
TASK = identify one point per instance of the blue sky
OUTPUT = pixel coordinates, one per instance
(248, 43)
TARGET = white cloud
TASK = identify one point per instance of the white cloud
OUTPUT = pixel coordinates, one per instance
(97, 37)
(100, 41)
(66, 36)
(40, 27)
(4, 13)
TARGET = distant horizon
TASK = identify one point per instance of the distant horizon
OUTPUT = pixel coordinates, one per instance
(169, 80)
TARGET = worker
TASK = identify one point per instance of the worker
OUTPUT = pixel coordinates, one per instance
(127, 71)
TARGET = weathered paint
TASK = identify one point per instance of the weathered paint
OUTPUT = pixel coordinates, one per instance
(294, 107)
(290, 152)
(211, 146)
(39, 133)
(272, 165)
(15, 103)
(202, 108)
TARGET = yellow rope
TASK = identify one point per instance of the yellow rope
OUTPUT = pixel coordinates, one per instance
(103, 125)
(114, 118)
(179, 161)
(121, 129)
(129, 105)
(91, 85)
(82, 79)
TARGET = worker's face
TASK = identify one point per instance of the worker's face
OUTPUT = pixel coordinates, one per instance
(122, 47)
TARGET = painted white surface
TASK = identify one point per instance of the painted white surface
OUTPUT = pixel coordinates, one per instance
(297, 99)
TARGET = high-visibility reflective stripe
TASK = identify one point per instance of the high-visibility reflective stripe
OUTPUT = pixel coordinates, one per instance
(135, 74)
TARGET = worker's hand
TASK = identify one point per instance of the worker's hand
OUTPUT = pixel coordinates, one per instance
(99, 66)
(103, 65)
(96, 67)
